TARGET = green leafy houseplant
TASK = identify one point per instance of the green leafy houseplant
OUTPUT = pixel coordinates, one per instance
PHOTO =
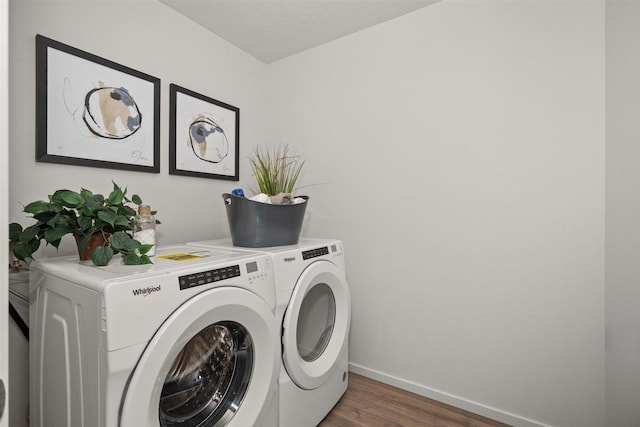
(82, 215)
(276, 171)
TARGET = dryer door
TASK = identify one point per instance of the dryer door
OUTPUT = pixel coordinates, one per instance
(213, 362)
(316, 324)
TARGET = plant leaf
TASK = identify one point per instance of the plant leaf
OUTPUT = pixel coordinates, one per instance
(84, 223)
(71, 198)
(127, 211)
(123, 221)
(55, 234)
(276, 171)
(145, 259)
(37, 207)
(132, 259)
(144, 248)
(29, 234)
(22, 252)
(94, 202)
(55, 243)
(33, 245)
(14, 230)
(108, 216)
(121, 241)
(116, 197)
(102, 255)
(136, 199)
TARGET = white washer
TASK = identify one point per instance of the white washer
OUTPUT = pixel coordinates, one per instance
(314, 311)
(188, 341)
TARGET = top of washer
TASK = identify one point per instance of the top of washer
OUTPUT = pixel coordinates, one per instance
(136, 299)
(168, 260)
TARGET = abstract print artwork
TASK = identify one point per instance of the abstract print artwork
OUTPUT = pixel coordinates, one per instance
(94, 112)
(204, 136)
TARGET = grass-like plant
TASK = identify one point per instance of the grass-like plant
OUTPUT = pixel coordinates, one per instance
(276, 171)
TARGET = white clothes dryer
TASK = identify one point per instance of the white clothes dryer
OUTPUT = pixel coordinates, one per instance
(314, 311)
(188, 341)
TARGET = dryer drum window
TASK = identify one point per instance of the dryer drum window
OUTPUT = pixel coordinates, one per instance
(315, 322)
(208, 379)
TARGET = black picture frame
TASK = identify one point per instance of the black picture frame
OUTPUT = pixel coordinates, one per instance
(204, 136)
(91, 111)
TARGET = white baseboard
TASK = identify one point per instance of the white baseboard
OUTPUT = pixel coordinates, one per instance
(449, 399)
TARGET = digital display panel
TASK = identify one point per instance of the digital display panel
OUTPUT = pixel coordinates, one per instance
(252, 267)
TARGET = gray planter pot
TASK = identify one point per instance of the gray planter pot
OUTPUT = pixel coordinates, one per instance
(258, 225)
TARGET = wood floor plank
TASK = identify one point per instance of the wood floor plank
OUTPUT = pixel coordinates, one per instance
(369, 403)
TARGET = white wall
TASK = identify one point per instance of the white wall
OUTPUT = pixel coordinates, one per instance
(459, 153)
(149, 37)
(623, 214)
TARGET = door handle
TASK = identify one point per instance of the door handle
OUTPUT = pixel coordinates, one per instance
(2, 398)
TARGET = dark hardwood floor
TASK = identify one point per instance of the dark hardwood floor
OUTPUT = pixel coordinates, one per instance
(368, 403)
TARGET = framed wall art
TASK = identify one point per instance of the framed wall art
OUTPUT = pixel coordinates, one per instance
(204, 136)
(94, 112)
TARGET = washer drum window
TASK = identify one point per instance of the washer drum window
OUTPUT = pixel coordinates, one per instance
(213, 362)
(208, 379)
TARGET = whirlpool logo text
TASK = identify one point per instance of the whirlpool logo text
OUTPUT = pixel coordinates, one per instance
(146, 291)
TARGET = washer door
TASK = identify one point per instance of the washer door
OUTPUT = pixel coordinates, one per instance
(213, 362)
(316, 324)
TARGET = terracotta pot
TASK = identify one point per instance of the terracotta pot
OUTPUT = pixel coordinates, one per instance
(97, 239)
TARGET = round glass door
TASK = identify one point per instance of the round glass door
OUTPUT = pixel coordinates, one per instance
(213, 362)
(316, 324)
(208, 379)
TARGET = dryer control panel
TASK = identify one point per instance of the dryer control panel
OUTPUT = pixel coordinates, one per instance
(313, 253)
(205, 277)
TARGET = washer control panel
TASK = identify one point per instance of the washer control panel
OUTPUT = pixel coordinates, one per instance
(205, 277)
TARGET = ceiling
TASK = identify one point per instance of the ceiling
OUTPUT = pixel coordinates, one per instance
(271, 30)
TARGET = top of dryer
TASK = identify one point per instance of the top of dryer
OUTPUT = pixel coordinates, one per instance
(289, 261)
(304, 243)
